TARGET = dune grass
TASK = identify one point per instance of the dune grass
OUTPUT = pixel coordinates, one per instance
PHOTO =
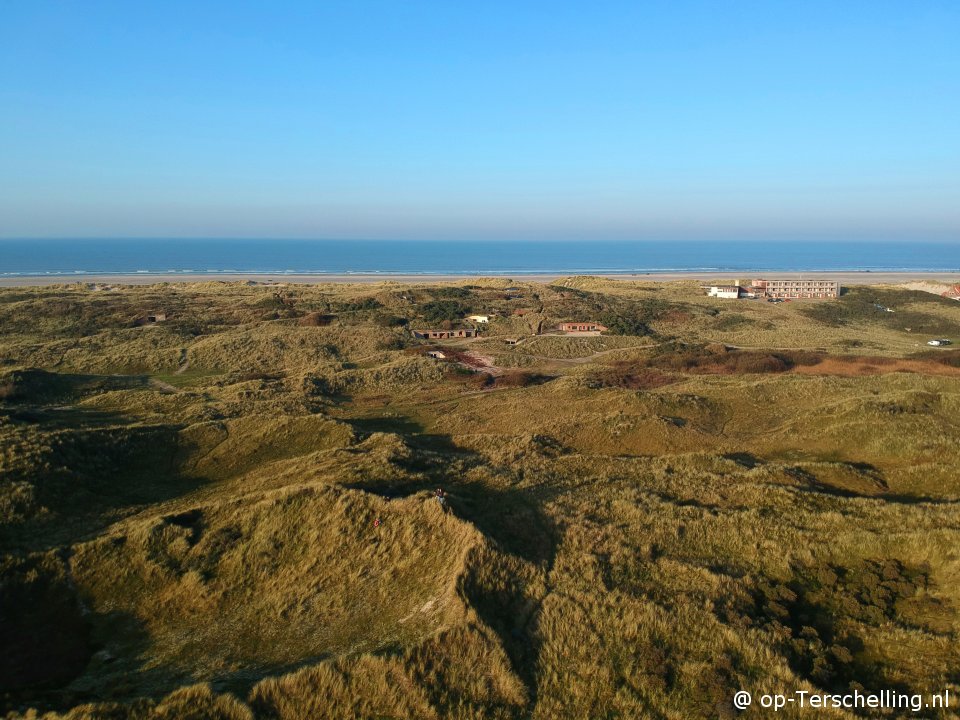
(755, 496)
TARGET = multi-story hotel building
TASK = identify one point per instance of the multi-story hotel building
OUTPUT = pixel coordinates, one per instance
(798, 288)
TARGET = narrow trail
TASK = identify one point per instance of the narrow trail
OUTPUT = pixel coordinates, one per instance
(184, 363)
(490, 365)
(588, 358)
(486, 363)
(164, 386)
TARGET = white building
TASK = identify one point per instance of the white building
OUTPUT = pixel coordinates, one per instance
(479, 318)
(724, 291)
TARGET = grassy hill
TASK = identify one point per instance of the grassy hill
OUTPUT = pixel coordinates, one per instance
(230, 514)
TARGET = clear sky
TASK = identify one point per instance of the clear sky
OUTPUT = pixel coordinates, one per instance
(468, 120)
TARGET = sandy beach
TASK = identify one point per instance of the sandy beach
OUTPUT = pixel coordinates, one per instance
(845, 277)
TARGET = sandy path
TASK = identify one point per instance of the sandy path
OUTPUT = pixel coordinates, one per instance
(483, 363)
(164, 386)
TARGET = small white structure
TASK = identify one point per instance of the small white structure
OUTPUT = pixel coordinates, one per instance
(724, 291)
(436, 354)
(938, 342)
(479, 318)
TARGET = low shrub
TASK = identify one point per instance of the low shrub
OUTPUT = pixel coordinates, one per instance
(389, 321)
(368, 303)
(819, 615)
(716, 358)
(625, 325)
(315, 319)
(624, 375)
(439, 310)
(455, 293)
(950, 358)
(519, 379)
(732, 321)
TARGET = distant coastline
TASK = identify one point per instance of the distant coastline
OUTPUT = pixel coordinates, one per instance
(157, 260)
(850, 277)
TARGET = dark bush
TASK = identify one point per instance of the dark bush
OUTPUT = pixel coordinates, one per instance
(270, 302)
(756, 363)
(718, 359)
(520, 379)
(482, 380)
(315, 319)
(368, 303)
(569, 292)
(625, 325)
(950, 358)
(384, 320)
(818, 615)
(631, 377)
(458, 293)
(806, 357)
(439, 310)
(35, 386)
(867, 304)
(631, 318)
(677, 356)
(732, 321)
(319, 386)
(392, 342)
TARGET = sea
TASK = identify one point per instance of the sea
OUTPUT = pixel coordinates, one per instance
(468, 258)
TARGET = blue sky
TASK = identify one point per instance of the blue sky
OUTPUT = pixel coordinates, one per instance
(607, 120)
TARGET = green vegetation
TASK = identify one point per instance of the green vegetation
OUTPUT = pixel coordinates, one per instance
(230, 514)
(440, 310)
(718, 358)
(908, 310)
(825, 613)
(625, 324)
(732, 321)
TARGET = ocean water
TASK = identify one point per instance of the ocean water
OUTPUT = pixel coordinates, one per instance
(154, 256)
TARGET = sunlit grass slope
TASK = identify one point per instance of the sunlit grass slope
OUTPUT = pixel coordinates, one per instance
(231, 514)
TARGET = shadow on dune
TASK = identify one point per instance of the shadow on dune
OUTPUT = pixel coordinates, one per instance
(498, 583)
(77, 481)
